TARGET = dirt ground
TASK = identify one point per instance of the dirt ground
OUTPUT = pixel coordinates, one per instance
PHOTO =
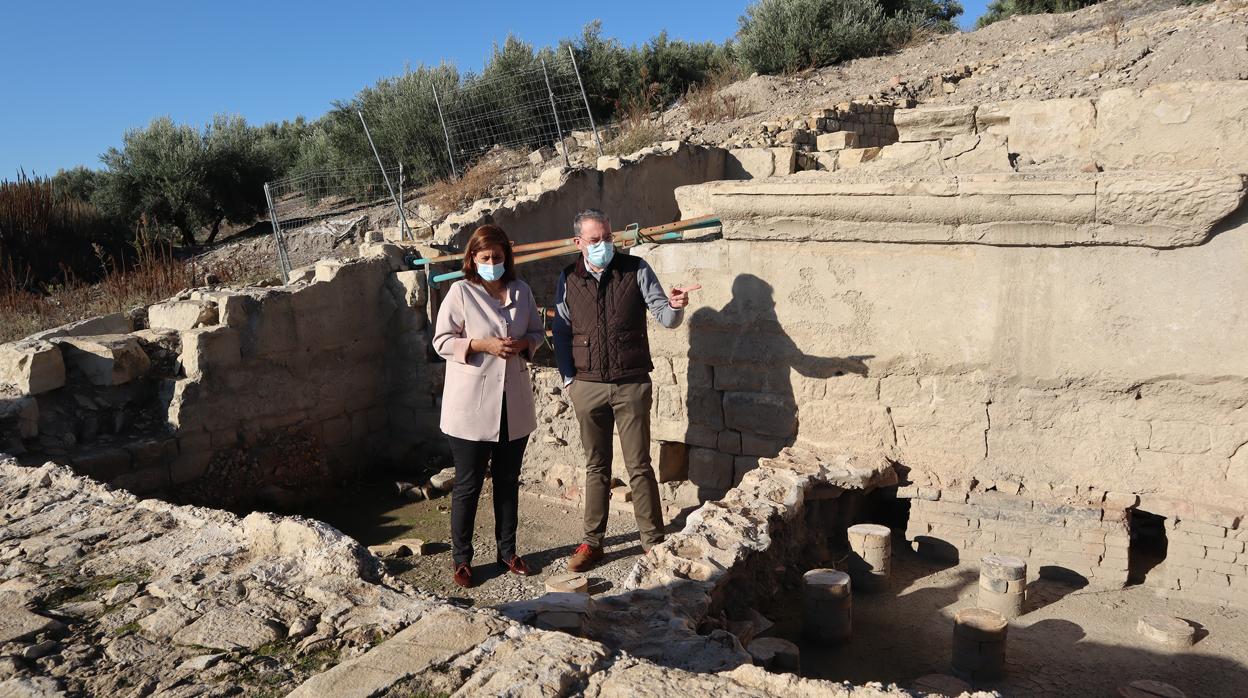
(1071, 642)
(548, 533)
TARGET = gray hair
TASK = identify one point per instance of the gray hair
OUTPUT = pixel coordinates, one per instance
(589, 214)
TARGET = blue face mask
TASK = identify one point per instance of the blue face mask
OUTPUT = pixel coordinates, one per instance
(491, 272)
(599, 254)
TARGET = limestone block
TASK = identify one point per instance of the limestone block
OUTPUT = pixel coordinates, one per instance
(694, 201)
(181, 315)
(110, 359)
(979, 639)
(609, 162)
(870, 556)
(17, 623)
(1173, 126)
(749, 163)
(994, 118)
(710, 469)
(412, 283)
(1054, 132)
(271, 331)
(1167, 631)
(917, 158)
(987, 153)
(563, 611)
(933, 123)
(33, 366)
(853, 157)
(840, 140)
(116, 323)
(775, 654)
(785, 161)
(672, 460)
(392, 254)
(742, 465)
(231, 306)
(541, 155)
(824, 162)
(1002, 585)
(209, 349)
(567, 582)
(1167, 209)
(227, 629)
(846, 424)
(1136, 209)
(551, 178)
(827, 606)
(768, 414)
(306, 273)
(22, 411)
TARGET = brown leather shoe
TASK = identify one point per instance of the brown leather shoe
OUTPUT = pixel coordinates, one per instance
(516, 564)
(584, 558)
(463, 575)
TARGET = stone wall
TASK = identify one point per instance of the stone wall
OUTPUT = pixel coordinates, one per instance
(237, 397)
(1076, 534)
(1047, 329)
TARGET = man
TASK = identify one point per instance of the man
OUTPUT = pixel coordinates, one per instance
(603, 353)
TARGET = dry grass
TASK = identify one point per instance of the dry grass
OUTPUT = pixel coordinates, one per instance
(155, 275)
(1113, 22)
(637, 129)
(447, 195)
(918, 36)
(707, 102)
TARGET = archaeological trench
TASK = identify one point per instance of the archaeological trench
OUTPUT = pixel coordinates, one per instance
(1013, 330)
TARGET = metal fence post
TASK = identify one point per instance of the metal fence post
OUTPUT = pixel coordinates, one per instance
(588, 112)
(283, 260)
(445, 133)
(554, 110)
(369, 136)
(405, 234)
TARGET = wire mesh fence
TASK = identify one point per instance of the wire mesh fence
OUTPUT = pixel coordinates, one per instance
(528, 108)
(324, 209)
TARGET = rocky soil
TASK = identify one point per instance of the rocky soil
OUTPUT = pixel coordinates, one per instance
(1026, 57)
(549, 532)
(102, 593)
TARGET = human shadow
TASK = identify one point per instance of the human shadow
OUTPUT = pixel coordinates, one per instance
(741, 399)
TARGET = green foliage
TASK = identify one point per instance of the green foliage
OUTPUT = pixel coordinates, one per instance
(790, 35)
(932, 14)
(616, 76)
(78, 183)
(176, 175)
(1001, 9)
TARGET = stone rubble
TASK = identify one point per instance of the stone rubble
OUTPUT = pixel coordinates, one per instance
(99, 590)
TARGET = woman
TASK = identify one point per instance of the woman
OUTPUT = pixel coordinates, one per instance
(488, 328)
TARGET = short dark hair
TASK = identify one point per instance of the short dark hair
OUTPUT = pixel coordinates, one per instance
(589, 214)
(483, 237)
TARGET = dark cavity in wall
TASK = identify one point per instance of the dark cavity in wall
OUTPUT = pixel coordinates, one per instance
(1148, 545)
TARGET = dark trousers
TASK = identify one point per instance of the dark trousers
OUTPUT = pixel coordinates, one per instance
(471, 459)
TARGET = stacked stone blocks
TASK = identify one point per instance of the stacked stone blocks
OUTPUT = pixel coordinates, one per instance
(1083, 538)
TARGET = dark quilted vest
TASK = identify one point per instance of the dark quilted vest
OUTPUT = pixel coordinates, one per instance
(609, 340)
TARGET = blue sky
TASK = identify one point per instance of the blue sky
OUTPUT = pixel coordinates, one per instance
(76, 75)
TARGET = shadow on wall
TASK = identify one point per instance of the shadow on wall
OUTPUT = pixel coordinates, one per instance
(740, 383)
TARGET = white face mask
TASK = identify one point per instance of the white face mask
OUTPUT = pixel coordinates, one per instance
(490, 272)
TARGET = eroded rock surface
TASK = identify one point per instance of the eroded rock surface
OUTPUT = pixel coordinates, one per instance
(100, 590)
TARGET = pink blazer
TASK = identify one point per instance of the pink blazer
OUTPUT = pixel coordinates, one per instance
(472, 396)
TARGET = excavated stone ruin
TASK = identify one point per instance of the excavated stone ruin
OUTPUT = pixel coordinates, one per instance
(1010, 330)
